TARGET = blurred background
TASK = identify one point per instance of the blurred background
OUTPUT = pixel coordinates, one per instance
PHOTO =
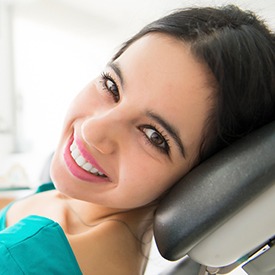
(49, 50)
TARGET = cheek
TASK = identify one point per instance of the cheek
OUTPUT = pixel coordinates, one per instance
(80, 104)
(56, 169)
(146, 183)
(92, 99)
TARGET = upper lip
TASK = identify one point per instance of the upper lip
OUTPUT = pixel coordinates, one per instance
(88, 156)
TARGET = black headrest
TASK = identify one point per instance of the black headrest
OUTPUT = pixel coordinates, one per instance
(212, 192)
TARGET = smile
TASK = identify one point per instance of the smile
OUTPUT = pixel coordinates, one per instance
(82, 162)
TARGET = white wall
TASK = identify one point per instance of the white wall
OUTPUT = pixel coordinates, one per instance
(6, 81)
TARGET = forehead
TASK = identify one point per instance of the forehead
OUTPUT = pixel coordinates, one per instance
(169, 60)
(166, 77)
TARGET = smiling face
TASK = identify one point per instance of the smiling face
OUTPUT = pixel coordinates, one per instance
(136, 129)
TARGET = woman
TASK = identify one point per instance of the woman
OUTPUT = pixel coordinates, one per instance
(184, 87)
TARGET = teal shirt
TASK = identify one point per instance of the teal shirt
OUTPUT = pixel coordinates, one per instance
(35, 245)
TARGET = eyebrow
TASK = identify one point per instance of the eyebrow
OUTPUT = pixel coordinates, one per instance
(174, 133)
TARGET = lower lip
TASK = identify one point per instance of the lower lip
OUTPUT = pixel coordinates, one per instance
(77, 171)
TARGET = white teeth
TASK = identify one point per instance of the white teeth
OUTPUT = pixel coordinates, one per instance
(94, 170)
(87, 166)
(73, 146)
(81, 161)
(75, 153)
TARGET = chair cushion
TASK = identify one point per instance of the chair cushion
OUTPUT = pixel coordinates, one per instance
(213, 192)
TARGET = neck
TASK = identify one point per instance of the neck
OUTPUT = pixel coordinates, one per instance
(138, 220)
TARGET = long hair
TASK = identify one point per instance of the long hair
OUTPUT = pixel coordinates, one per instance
(239, 50)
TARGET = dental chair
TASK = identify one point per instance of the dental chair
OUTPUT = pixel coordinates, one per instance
(222, 214)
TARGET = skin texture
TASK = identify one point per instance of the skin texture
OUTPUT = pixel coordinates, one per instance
(160, 76)
(157, 77)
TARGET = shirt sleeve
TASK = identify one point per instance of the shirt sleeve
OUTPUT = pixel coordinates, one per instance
(36, 245)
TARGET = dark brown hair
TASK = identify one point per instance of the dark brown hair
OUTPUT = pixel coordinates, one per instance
(239, 50)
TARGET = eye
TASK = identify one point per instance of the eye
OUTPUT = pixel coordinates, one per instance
(157, 139)
(110, 85)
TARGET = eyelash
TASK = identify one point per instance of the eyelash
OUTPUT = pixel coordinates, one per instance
(105, 77)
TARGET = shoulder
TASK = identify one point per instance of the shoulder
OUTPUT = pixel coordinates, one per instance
(31, 205)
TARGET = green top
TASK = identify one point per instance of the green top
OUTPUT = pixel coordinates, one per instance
(35, 245)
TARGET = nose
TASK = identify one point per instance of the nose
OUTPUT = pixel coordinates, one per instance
(105, 131)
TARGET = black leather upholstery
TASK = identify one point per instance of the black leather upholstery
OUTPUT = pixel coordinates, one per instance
(214, 191)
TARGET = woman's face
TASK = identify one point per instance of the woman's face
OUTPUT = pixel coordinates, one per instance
(136, 128)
